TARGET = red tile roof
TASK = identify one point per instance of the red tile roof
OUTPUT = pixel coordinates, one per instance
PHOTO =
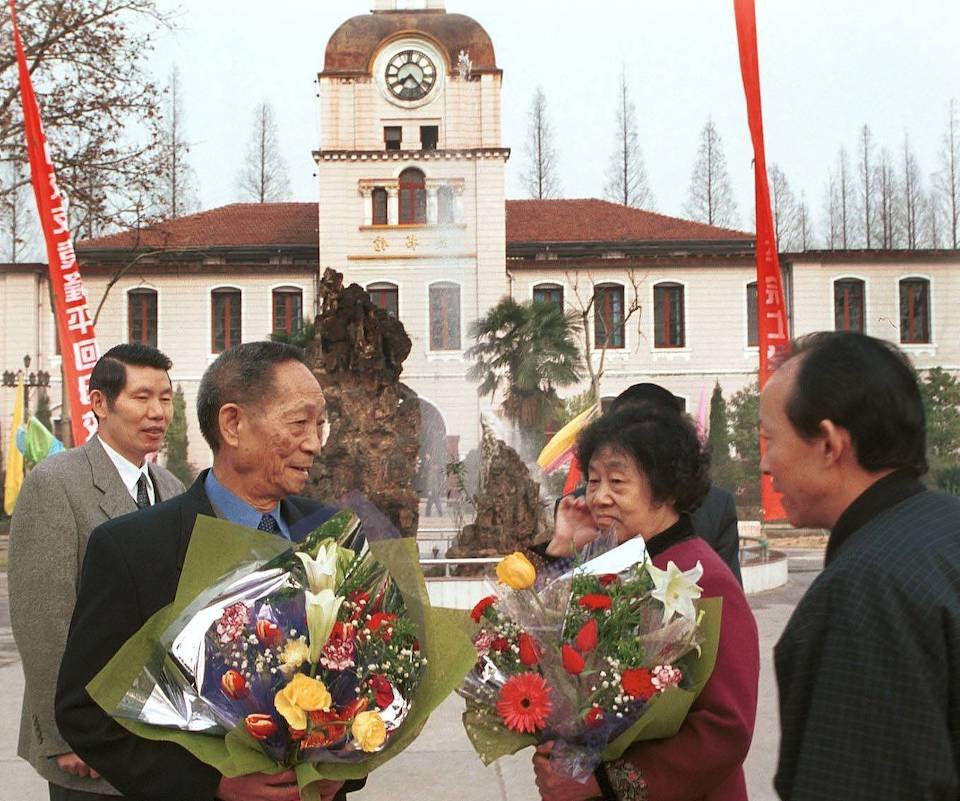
(237, 225)
(592, 220)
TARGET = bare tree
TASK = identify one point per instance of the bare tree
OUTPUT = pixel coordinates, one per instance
(263, 177)
(710, 196)
(888, 198)
(936, 216)
(948, 178)
(806, 229)
(786, 211)
(840, 201)
(177, 184)
(867, 178)
(831, 206)
(540, 179)
(15, 215)
(626, 175)
(912, 202)
(89, 63)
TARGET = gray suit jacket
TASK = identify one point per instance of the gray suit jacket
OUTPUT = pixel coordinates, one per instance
(61, 501)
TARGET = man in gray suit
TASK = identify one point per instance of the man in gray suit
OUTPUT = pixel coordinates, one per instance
(62, 500)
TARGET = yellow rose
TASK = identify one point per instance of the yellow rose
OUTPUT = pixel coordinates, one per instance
(300, 696)
(516, 571)
(369, 730)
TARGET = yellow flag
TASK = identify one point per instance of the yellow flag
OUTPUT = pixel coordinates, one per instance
(14, 477)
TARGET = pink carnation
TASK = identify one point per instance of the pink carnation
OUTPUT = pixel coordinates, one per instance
(338, 654)
(483, 641)
(664, 676)
(232, 622)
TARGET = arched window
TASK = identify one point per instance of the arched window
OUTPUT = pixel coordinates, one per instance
(225, 319)
(668, 314)
(379, 196)
(914, 311)
(548, 293)
(287, 309)
(753, 331)
(848, 302)
(608, 316)
(142, 317)
(386, 296)
(444, 317)
(413, 197)
(445, 215)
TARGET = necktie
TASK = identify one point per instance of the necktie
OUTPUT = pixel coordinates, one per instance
(143, 497)
(269, 524)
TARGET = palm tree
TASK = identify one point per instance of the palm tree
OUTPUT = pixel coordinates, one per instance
(527, 350)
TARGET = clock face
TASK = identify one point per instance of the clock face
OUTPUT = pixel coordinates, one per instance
(410, 75)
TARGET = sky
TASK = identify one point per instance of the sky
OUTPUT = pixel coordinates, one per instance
(826, 67)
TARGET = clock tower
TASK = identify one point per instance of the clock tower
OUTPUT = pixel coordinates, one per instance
(411, 180)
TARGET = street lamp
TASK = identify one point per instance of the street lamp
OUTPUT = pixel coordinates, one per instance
(39, 379)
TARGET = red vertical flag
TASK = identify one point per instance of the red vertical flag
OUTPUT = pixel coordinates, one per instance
(78, 343)
(771, 308)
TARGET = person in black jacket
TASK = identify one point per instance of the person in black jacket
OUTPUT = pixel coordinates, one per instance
(715, 520)
(263, 414)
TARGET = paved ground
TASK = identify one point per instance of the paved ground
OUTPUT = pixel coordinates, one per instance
(441, 765)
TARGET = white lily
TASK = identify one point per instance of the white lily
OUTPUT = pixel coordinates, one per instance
(322, 571)
(676, 590)
(322, 608)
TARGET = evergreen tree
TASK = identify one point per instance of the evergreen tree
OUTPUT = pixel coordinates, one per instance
(941, 401)
(721, 465)
(175, 443)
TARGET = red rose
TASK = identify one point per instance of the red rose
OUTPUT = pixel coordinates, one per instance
(586, 639)
(595, 601)
(260, 726)
(482, 605)
(637, 683)
(594, 717)
(608, 578)
(269, 633)
(383, 690)
(529, 650)
(382, 622)
(572, 660)
(234, 685)
(500, 644)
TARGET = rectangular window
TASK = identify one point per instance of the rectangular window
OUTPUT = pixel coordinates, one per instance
(287, 310)
(225, 329)
(379, 200)
(429, 135)
(142, 317)
(668, 329)
(445, 317)
(386, 296)
(392, 137)
(753, 331)
(548, 294)
(914, 311)
(848, 306)
(445, 206)
(608, 321)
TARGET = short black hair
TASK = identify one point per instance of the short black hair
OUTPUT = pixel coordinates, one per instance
(869, 387)
(242, 374)
(647, 393)
(109, 374)
(665, 445)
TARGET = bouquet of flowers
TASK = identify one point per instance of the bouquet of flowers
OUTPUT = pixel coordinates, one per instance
(594, 660)
(326, 657)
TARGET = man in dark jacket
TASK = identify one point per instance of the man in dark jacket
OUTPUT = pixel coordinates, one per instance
(263, 414)
(868, 666)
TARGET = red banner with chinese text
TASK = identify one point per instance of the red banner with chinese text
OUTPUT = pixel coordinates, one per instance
(774, 337)
(78, 343)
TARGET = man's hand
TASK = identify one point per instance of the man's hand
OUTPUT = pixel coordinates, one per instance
(573, 528)
(71, 763)
(260, 787)
(553, 786)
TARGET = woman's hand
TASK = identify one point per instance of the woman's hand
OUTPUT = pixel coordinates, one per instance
(553, 786)
(574, 527)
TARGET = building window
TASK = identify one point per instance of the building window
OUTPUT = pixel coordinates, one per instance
(753, 331)
(413, 197)
(848, 305)
(444, 317)
(445, 214)
(548, 293)
(392, 137)
(668, 316)
(914, 311)
(379, 197)
(142, 317)
(429, 135)
(608, 316)
(386, 296)
(287, 309)
(225, 310)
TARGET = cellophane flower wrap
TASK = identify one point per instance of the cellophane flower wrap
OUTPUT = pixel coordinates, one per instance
(595, 658)
(323, 655)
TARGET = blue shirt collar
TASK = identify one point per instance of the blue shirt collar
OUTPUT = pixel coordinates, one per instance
(237, 510)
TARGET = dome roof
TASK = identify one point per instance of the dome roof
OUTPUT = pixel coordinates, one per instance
(354, 44)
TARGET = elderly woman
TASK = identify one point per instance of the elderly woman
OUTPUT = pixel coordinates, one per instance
(646, 470)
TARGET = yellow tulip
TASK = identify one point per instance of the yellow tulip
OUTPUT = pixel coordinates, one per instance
(303, 694)
(369, 730)
(516, 571)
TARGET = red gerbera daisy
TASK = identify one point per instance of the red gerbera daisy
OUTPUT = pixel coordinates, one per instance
(524, 703)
